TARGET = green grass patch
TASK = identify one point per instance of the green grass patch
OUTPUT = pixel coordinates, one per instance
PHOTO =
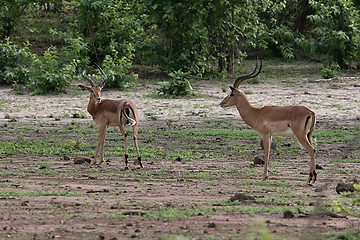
(337, 135)
(345, 160)
(38, 147)
(12, 193)
(208, 175)
(171, 212)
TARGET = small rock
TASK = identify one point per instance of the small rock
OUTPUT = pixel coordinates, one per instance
(211, 225)
(258, 160)
(242, 198)
(81, 160)
(356, 181)
(343, 187)
(178, 159)
(288, 214)
(101, 237)
(318, 167)
(35, 237)
(66, 158)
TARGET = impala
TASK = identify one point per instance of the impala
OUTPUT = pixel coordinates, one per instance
(271, 121)
(107, 112)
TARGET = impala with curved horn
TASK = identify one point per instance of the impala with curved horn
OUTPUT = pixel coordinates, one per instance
(271, 121)
(107, 112)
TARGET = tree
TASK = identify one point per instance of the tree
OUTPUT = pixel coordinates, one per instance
(10, 13)
(336, 33)
(194, 33)
(230, 25)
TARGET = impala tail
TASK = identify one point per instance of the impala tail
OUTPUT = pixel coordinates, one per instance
(311, 126)
(127, 113)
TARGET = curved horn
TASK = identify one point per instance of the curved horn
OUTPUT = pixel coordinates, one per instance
(87, 78)
(248, 76)
(101, 83)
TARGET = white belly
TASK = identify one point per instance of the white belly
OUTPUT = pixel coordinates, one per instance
(288, 133)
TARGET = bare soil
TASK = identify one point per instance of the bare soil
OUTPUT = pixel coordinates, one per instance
(112, 203)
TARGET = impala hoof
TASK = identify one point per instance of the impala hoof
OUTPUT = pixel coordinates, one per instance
(126, 168)
(312, 178)
(139, 162)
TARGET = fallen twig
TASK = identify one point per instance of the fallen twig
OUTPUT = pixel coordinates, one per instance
(98, 191)
(320, 213)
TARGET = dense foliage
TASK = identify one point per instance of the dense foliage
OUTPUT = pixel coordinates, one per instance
(46, 43)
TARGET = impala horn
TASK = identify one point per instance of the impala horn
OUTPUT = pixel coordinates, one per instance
(102, 81)
(87, 78)
(248, 76)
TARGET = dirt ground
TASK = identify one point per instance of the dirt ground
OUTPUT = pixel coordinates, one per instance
(175, 199)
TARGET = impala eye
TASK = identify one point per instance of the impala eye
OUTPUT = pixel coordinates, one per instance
(92, 90)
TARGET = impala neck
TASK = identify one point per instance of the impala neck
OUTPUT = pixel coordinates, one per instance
(247, 111)
(92, 107)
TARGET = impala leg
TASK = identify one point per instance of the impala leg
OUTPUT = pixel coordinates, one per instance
(100, 145)
(305, 141)
(267, 143)
(122, 130)
(136, 145)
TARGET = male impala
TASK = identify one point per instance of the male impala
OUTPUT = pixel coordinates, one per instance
(107, 112)
(271, 121)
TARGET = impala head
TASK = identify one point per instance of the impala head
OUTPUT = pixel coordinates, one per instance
(94, 89)
(232, 98)
(236, 94)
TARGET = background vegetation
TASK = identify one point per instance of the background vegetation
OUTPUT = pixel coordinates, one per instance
(44, 44)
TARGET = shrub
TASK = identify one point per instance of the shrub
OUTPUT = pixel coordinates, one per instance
(117, 71)
(50, 74)
(336, 35)
(12, 60)
(330, 71)
(178, 85)
(279, 41)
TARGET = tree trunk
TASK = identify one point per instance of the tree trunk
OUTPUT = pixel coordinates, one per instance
(303, 11)
(230, 59)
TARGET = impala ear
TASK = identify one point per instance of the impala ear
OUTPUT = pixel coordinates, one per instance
(232, 88)
(83, 87)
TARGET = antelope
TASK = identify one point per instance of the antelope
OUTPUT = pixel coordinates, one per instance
(108, 112)
(271, 121)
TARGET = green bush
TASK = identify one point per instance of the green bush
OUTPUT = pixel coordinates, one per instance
(13, 70)
(50, 74)
(336, 32)
(117, 72)
(178, 85)
(328, 72)
(10, 15)
(279, 42)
